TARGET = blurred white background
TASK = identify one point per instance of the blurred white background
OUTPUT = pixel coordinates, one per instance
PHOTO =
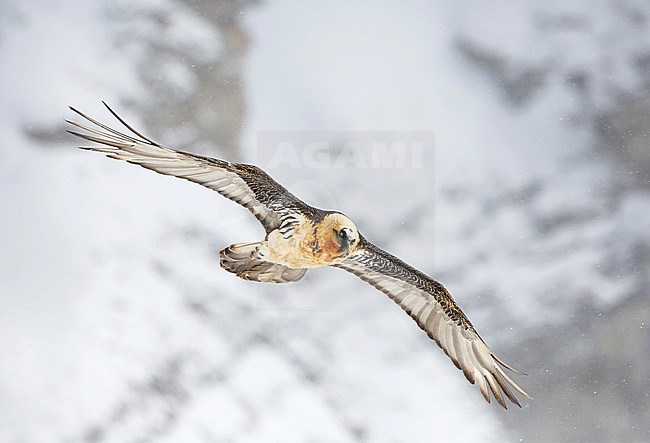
(117, 324)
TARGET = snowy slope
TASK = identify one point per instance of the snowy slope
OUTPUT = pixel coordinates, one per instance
(117, 323)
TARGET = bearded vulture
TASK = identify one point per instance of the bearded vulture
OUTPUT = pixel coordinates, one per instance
(300, 237)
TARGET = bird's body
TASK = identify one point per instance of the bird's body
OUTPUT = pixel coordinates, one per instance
(310, 242)
(304, 242)
(300, 237)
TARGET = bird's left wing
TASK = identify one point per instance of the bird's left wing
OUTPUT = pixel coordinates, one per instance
(435, 311)
(245, 184)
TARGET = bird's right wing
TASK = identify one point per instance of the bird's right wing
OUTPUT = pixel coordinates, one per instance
(245, 184)
(435, 311)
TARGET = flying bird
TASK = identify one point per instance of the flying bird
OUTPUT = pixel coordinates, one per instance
(300, 237)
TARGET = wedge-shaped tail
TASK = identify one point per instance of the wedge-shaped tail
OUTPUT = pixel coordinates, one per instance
(245, 261)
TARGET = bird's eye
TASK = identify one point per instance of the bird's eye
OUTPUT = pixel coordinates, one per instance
(347, 234)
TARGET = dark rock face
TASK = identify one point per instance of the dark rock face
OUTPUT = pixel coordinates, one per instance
(208, 114)
(590, 380)
(517, 82)
(625, 132)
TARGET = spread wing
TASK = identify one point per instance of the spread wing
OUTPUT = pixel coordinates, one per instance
(245, 184)
(435, 311)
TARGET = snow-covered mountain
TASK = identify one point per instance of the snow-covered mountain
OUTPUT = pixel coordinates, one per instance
(117, 324)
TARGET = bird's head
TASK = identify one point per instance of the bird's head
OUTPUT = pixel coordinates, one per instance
(341, 234)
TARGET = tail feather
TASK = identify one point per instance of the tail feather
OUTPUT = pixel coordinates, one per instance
(245, 261)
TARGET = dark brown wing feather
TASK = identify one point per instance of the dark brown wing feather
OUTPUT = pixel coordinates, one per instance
(245, 184)
(429, 303)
